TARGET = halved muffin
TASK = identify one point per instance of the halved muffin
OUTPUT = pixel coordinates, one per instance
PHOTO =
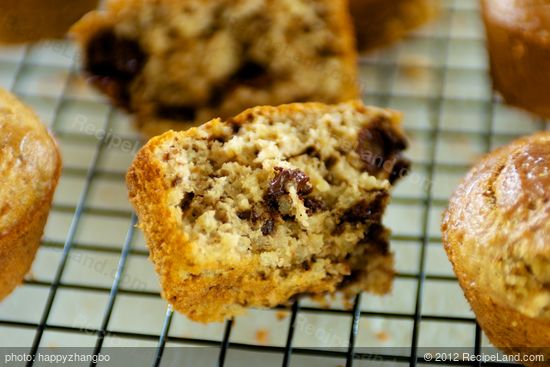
(271, 204)
(176, 64)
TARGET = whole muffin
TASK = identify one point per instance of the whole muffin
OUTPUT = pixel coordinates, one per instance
(496, 232)
(381, 22)
(30, 166)
(175, 64)
(518, 41)
(33, 20)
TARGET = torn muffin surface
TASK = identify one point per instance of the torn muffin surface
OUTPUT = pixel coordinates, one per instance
(176, 63)
(274, 203)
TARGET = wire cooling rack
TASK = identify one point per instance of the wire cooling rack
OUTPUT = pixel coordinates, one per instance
(92, 285)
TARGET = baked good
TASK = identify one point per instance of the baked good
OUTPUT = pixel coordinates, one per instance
(496, 232)
(178, 63)
(30, 166)
(518, 41)
(276, 202)
(33, 20)
(382, 22)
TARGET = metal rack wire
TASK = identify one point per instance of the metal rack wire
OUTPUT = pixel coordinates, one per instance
(381, 69)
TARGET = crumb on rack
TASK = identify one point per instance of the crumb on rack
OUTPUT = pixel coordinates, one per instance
(323, 300)
(262, 336)
(415, 66)
(348, 304)
(30, 276)
(383, 336)
(281, 315)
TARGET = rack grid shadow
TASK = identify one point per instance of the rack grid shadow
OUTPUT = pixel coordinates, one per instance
(92, 285)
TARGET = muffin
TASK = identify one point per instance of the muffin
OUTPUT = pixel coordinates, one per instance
(381, 22)
(271, 204)
(33, 20)
(178, 63)
(518, 43)
(496, 232)
(30, 166)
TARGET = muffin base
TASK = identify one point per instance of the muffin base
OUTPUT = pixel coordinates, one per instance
(18, 249)
(507, 329)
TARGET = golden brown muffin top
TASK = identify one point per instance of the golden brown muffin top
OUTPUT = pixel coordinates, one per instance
(29, 162)
(497, 227)
(531, 16)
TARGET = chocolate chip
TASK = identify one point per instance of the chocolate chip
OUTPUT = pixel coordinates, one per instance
(400, 169)
(379, 145)
(185, 202)
(181, 113)
(244, 215)
(330, 162)
(312, 152)
(249, 214)
(176, 181)
(377, 235)
(114, 62)
(218, 93)
(268, 227)
(327, 51)
(314, 205)
(366, 210)
(375, 230)
(111, 55)
(251, 73)
(236, 128)
(278, 186)
(303, 187)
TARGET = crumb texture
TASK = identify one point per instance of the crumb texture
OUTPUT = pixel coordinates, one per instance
(191, 61)
(273, 203)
